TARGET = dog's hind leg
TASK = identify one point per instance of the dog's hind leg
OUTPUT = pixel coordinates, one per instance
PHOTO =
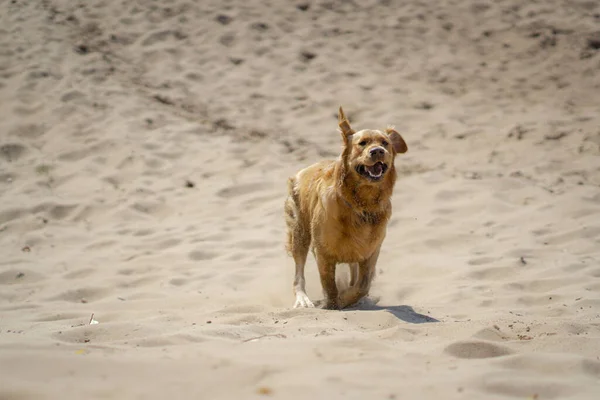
(298, 245)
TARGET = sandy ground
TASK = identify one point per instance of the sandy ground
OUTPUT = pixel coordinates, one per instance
(144, 148)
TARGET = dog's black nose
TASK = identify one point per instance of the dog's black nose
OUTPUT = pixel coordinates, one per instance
(376, 152)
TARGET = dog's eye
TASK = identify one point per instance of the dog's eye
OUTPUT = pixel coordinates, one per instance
(384, 143)
(363, 143)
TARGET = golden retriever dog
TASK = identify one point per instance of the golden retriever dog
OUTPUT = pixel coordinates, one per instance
(341, 208)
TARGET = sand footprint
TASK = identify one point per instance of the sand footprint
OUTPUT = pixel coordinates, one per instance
(201, 255)
(19, 277)
(80, 273)
(77, 155)
(493, 273)
(481, 260)
(161, 36)
(27, 131)
(54, 211)
(241, 189)
(523, 387)
(12, 151)
(59, 317)
(476, 349)
(82, 295)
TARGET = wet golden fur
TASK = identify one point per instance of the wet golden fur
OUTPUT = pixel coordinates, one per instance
(342, 213)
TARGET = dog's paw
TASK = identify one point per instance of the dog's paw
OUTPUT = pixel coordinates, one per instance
(302, 301)
(330, 305)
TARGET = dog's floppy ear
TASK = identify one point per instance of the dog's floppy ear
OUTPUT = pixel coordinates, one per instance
(344, 125)
(397, 141)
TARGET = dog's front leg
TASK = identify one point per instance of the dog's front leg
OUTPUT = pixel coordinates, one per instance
(327, 273)
(366, 273)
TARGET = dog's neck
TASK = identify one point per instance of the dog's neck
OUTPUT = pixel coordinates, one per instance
(367, 200)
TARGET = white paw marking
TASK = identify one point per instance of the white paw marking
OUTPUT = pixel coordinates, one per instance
(303, 301)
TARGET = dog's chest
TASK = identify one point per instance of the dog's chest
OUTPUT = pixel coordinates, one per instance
(352, 237)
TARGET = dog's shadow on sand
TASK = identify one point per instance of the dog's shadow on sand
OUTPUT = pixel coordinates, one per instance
(404, 313)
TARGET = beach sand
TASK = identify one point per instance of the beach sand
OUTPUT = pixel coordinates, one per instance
(144, 152)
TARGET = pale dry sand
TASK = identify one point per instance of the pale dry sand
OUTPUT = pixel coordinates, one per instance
(489, 280)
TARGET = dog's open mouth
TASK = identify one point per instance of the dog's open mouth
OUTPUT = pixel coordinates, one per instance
(373, 172)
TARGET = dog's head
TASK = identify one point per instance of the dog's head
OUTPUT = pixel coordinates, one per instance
(370, 153)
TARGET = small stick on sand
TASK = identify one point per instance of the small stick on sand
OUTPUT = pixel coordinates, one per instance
(279, 335)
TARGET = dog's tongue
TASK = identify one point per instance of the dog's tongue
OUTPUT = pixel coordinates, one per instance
(375, 170)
